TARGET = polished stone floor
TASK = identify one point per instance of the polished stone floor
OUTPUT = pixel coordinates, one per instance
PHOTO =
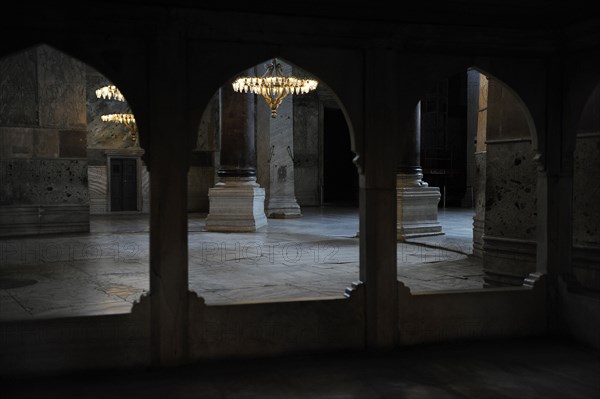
(533, 368)
(315, 256)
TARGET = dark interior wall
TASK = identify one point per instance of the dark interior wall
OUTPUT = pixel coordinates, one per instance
(205, 157)
(340, 177)
(586, 196)
(43, 160)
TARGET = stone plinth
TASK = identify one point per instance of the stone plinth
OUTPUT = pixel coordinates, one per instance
(283, 208)
(479, 217)
(236, 205)
(417, 207)
(507, 261)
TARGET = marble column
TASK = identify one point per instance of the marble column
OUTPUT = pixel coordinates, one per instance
(378, 248)
(236, 203)
(276, 154)
(510, 222)
(479, 177)
(416, 202)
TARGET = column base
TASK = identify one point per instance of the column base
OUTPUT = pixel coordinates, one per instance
(417, 208)
(478, 226)
(283, 208)
(236, 206)
(507, 261)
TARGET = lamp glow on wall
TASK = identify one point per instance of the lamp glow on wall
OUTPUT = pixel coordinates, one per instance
(273, 85)
(111, 92)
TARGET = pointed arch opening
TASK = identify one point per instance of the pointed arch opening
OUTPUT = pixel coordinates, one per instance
(478, 147)
(269, 220)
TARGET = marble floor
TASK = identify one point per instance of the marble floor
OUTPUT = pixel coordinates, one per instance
(316, 256)
(534, 368)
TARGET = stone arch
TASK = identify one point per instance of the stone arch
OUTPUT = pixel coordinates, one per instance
(522, 106)
(204, 121)
(333, 67)
(214, 79)
(54, 132)
(108, 58)
(509, 201)
(519, 99)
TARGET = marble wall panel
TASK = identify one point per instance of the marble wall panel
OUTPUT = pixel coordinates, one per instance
(42, 114)
(200, 180)
(509, 240)
(201, 176)
(586, 209)
(40, 181)
(16, 142)
(586, 191)
(510, 191)
(61, 89)
(506, 116)
(19, 90)
(73, 144)
(307, 183)
(463, 315)
(282, 142)
(264, 149)
(208, 130)
(46, 143)
(145, 189)
(98, 188)
(479, 203)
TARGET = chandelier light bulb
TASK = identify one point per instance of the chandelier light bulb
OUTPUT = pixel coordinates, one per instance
(111, 92)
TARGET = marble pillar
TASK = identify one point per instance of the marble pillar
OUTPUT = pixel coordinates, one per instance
(416, 202)
(276, 154)
(511, 173)
(480, 109)
(308, 126)
(236, 203)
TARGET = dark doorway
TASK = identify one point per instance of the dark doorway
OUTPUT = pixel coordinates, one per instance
(444, 137)
(123, 184)
(340, 177)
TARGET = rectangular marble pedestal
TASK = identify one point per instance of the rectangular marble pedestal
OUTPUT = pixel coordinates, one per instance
(417, 212)
(236, 208)
(283, 208)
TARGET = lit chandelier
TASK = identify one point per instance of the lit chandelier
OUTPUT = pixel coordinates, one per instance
(112, 93)
(273, 85)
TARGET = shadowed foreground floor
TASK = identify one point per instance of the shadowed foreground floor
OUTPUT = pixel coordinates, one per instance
(316, 256)
(525, 368)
